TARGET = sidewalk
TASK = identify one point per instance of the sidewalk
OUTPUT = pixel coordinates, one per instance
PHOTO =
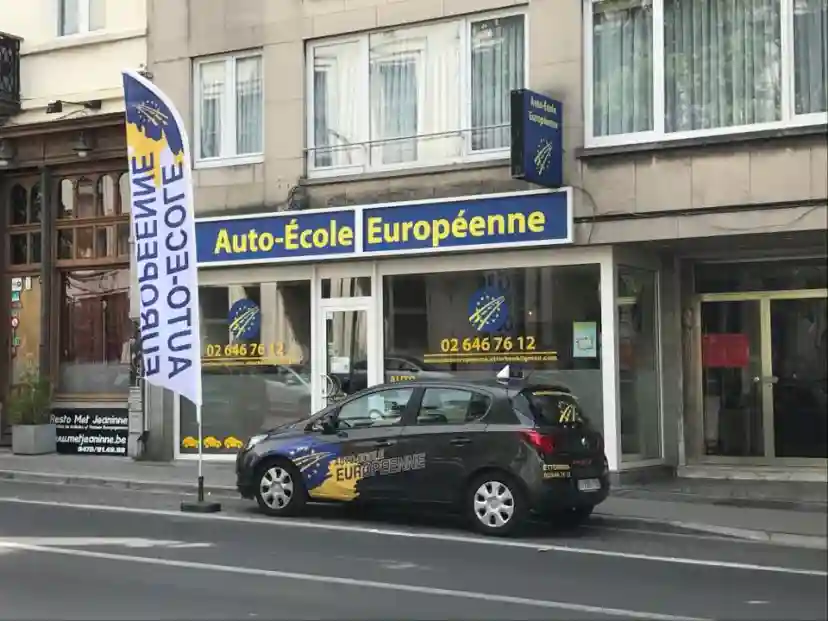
(702, 506)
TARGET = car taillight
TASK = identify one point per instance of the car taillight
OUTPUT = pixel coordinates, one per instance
(545, 444)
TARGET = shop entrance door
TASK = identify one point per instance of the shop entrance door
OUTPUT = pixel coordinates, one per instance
(764, 378)
(348, 339)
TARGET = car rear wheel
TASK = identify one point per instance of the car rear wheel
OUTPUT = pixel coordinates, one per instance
(496, 504)
(280, 490)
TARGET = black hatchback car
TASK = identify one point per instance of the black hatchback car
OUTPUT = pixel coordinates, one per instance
(496, 452)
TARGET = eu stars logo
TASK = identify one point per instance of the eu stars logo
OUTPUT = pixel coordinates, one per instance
(543, 156)
(245, 320)
(487, 310)
(314, 464)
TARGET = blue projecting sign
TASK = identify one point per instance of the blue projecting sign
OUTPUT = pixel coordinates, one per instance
(537, 138)
(513, 220)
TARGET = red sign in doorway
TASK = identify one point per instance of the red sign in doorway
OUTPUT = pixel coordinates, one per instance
(725, 351)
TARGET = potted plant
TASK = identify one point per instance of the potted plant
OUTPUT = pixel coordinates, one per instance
(28, 409)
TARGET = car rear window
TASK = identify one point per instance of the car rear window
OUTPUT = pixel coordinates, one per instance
(551, 408)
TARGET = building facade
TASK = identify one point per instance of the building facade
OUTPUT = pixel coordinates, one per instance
(65, 202)
(682, 296)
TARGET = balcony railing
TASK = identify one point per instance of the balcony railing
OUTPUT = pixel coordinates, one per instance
(9, 75)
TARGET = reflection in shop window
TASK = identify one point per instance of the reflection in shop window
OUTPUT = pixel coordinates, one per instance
(255, 352)
(95, 330)
(545, 320)
(637, 363)
(346, 287)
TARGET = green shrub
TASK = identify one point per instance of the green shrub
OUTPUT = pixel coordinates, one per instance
(30, 401)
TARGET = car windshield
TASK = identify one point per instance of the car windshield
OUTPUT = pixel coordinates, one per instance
(551, 408)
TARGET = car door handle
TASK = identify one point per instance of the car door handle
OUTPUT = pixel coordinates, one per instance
(460, 441)
(382, 443)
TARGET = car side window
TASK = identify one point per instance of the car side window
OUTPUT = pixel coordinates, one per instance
(378, 409)
(451, 406)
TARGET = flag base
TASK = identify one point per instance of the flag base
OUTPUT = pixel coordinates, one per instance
(200, 505)
(203, 506)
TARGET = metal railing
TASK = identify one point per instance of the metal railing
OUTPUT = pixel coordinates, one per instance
(378, 154)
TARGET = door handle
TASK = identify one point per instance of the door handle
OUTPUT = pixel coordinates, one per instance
(460, 441)
(383, 443)
(771, 379)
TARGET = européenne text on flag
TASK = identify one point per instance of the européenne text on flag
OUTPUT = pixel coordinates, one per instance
(161, 241)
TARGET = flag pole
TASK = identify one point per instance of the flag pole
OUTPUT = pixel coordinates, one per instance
(200, 455)
(201, 504)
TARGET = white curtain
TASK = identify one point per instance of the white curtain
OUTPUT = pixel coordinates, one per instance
(497, 67)
(622, 65)
(394, 108)
(249, 105)
(69, 14)
(212, 85)
(415, 90)
(810, 30)
(97, 14)
(722, 63)
(336, 113)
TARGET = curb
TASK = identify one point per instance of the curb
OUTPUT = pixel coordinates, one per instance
(20, 476)
(227, 491)
(813, 542)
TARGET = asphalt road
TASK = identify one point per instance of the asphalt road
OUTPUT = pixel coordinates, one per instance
(80, 553)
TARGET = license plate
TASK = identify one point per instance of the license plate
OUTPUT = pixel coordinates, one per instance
(589, 485)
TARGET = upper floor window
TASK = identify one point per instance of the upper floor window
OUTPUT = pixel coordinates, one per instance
(662, 69)
(79, 16)
(229, 109)
(416, 96)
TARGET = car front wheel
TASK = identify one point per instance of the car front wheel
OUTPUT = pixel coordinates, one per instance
(496, 505)
(280, 491)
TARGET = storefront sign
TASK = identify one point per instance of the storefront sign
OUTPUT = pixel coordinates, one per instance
(92, 431)
(513, 220)
(537, 138)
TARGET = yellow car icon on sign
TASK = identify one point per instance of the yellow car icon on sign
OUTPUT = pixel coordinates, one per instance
(189, 442)
(233, 443)
(211, 442)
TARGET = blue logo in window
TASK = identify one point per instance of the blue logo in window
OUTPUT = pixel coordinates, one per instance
(245, 320)
(487, 310)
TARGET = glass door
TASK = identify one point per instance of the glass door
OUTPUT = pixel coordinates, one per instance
(799, 363)
(348, 340)
(765, 375)
(734, 388)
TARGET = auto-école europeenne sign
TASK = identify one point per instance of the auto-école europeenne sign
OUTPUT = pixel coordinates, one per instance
(537, 138)
(511, 220)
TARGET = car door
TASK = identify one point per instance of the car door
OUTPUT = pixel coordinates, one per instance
(368, 427)
(444, 433)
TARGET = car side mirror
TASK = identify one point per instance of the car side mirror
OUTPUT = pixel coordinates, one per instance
(328, 424)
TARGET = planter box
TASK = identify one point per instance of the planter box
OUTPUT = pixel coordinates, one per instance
(33, 439)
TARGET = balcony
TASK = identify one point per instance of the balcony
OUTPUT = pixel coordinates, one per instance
(9, 75)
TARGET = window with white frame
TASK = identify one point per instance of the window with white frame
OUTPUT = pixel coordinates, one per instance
(662, 69)
(80, 16)
(228, 109)
(420, 95)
